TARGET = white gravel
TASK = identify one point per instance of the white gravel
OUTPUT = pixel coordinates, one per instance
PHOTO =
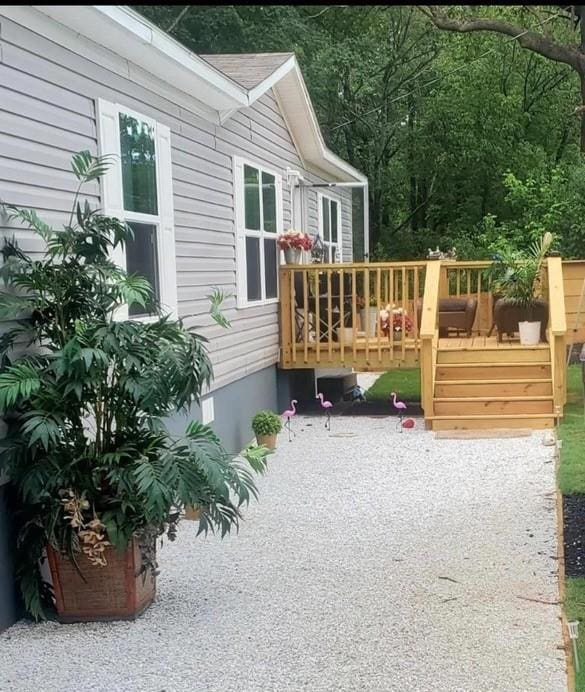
(337, 580)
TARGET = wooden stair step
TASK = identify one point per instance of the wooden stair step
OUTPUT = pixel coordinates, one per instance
(487, 388)
(491, 371)
(466, 406)
(534, 421)
(493, 355)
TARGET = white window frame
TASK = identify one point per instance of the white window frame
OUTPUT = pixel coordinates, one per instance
(113, 200)
(242, 232)
(329, 243)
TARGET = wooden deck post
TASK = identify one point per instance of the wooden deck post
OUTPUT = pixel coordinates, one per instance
(428, 328)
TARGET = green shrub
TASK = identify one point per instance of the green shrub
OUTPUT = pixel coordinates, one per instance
(266, 423)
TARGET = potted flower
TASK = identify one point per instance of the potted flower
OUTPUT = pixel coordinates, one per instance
(516, 277)
(370, 305)
(293, 243)
(266, 426)
(395, 319)
(95, 474)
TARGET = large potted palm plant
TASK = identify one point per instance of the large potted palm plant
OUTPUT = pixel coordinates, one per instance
(517, 281)
(95, 473)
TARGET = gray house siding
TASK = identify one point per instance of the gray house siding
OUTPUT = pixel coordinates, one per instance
(48, 107)
(48, 99)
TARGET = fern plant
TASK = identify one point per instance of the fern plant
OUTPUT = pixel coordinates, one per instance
(85, 395)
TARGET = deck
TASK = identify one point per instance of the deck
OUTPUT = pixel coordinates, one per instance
(384, 316)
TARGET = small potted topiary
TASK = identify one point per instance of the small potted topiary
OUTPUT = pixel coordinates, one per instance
(266, 426)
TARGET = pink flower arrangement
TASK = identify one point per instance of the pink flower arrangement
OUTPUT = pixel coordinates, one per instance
(295, 239)
(395, 317)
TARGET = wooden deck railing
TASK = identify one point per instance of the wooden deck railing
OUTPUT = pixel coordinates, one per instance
(557, 330)
(330, 314)
(429, 335)
(470, 280)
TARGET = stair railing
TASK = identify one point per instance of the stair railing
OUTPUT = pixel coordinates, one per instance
(557, 329)
(429, 335)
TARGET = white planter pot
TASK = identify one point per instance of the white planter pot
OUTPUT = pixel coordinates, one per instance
(373, 317)
(529, 333)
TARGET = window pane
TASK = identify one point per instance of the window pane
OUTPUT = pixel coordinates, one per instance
(326, 227)
(142, 259)
(334, 221)
(252, 198)
(269, 202)
(270, 268)
(253, 268)
(138, 165)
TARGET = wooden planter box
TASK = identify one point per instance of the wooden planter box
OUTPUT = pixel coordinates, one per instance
(113, 592)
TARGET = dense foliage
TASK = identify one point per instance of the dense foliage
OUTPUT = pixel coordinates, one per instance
(87, 451)
(468, 140)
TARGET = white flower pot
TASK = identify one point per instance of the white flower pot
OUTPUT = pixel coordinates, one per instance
(529, 333)
(373, 317)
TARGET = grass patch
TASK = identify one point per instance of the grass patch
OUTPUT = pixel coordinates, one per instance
(571, 480)
(572, 433)
(575, 610)
(404, 381)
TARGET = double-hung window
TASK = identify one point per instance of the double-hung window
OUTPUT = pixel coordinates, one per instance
(258, 207)
(330, 228)
(138, 190)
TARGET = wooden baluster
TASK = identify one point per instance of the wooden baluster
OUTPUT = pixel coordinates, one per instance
(354, 314)
(306, 309)
(329, 315)
(391, 303)
(292, 299)
(404, 291)
(342, 315)
(416, 290)
(479, 306)
(458, 275)
(367, 292)
(379, 305)
(318, 315)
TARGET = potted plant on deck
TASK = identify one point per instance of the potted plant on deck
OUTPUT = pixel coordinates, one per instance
(293, 243)
(369, 306)
(266, 426)
(516, 278)
(95, 474)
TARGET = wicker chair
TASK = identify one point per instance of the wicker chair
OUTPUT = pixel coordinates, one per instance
(454, 313)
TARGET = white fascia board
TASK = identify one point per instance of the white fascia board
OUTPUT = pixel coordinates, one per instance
(134, 38)
(259, 90)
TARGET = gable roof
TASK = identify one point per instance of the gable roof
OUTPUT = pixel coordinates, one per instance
(222, 84)
(247, 69)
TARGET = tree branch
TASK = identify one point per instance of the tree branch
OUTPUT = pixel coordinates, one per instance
(177, 19)
(528, 39)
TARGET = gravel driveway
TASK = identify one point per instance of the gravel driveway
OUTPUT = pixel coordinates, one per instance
(375, 560)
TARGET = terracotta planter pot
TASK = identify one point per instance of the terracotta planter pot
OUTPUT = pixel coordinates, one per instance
(267, 440)
(113, 592)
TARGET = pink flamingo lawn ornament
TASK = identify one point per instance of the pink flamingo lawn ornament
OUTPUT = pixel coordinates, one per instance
(400, 406)
(287, 415)
(326, 406)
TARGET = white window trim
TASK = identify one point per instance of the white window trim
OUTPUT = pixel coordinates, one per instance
(241, 233)
(113, 200)
(339, 243)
